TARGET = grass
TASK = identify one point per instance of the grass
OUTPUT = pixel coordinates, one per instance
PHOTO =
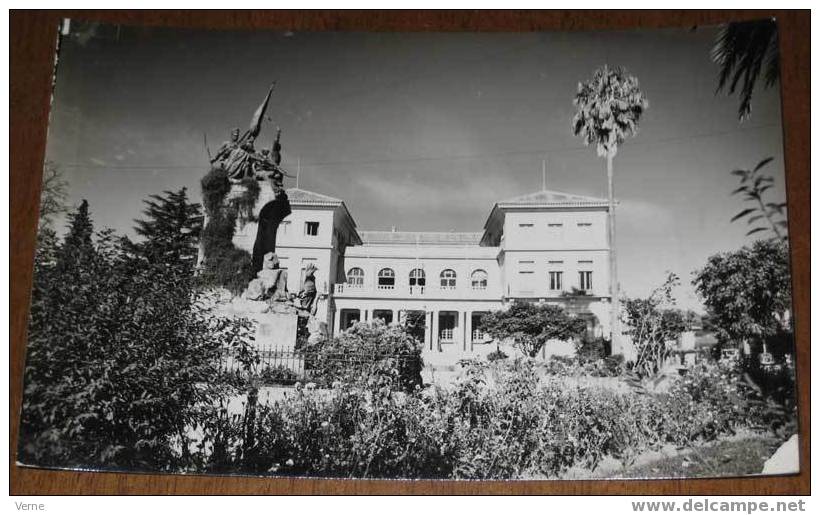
(736, 457)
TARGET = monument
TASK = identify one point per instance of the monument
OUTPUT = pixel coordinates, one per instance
(280, 316)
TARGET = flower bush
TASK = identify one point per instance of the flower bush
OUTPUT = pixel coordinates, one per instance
(610, 366)
(500, 420)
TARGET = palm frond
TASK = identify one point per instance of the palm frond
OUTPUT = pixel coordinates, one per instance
(743, 213)
(743, 50)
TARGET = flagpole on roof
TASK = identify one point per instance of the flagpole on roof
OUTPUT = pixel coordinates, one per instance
(298, 169)
(544, 173)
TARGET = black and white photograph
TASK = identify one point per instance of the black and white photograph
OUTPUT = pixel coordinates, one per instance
(413, 255)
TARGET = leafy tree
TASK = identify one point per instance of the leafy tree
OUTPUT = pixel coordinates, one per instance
(608, 109)
(654, 325)
(121, 359)
(170, 230)
(744, 50)
(747, 292)
(52, 195)
(532, 325)
(752, 186)
(52, 203)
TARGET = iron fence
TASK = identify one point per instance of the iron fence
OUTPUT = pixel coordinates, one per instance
(287, 365)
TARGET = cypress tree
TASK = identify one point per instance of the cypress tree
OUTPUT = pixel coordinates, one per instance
(77, 244)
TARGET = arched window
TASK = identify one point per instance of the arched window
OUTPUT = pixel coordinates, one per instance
(478, 279)
(386, 279)
(417, 277)
(448, 279)
(355, 277)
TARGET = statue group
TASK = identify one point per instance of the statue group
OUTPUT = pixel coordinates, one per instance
(241, 161)
(268, 292)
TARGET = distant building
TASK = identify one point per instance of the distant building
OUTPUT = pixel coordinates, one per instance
(542, 247)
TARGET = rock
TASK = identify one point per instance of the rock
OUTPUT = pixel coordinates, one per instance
(785, 460)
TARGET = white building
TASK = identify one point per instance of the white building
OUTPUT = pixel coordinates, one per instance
(542, 247)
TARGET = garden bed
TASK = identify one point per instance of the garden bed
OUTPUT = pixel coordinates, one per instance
(724, 458)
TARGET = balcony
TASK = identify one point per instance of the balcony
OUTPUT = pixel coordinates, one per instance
(434, 291)
(341, 288)
(416, 290)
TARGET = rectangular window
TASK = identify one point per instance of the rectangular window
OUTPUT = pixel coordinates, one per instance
(584, 261)
(585, 280)
(312, 228)
(555, 225)
(525, 272)
(584, 224)
(556, 262)
(525, 225)
(349, 317)
(526, 262)
(386, 315)
(556, 281)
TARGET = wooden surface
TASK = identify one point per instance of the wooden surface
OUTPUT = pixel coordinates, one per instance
(33, 38)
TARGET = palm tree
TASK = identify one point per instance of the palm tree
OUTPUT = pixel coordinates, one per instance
(608, 108)
(743, 50)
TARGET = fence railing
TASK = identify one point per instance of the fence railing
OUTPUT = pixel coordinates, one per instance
(287, 365)
(277, 364)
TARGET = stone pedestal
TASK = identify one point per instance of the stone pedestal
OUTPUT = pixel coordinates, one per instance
(275, 331)
(275, 341)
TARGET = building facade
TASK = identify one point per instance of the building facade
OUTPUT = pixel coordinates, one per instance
(547, 246)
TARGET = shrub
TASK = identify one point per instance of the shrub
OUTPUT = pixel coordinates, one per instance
(496, 355)
(122, 353)
(498, 421)
(278, 375)
(561, 366)
(413, 323)
(610, 366)
(371, 354)
(225, 265)
(591, 349)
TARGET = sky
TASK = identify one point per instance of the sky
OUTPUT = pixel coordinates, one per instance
(422, 131)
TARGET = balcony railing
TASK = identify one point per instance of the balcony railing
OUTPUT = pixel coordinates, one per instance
(435, 290)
